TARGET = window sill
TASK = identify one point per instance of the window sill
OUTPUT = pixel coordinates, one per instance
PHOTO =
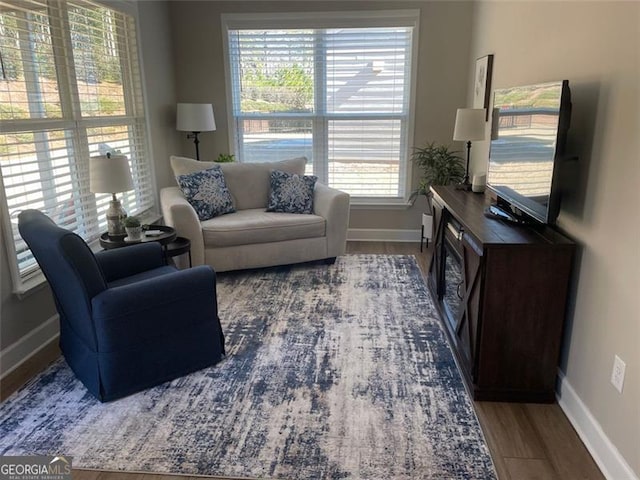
(30, 285)
(37, 280)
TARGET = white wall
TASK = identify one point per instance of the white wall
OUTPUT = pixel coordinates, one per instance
(596, 46)
(160, 86)
(442, 73)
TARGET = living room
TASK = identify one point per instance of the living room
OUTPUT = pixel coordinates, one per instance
(592, 44)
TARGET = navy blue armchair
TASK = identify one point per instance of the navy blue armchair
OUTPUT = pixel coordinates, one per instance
(128, 321)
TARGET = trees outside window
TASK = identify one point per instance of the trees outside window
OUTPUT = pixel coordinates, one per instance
(335, 88)
(70, 89)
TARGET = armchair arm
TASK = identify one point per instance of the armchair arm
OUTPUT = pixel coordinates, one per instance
(179, 214)
(124, 262)
(333, 205)
(157, 307)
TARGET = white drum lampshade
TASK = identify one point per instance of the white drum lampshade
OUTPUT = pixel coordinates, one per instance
(195, 117)
(110, 174)
(470, 124)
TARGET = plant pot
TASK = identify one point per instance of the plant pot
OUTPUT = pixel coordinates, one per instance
(427, 225)
(427, 229)
(134, 234)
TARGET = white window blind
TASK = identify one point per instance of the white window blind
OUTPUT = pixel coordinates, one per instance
(335, 90)
(70, 89)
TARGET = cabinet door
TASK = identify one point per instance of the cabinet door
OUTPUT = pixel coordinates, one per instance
(435, 267)
(467, 329)
(436, 211)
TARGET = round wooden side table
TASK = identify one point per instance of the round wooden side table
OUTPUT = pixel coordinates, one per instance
(166, 236)
(179, 246)
(172, 245)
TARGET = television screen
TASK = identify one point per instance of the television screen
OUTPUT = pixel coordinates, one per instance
(528, 135)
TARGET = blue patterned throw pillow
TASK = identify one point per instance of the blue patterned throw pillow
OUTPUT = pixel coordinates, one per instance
(207, 192)
(291, 193)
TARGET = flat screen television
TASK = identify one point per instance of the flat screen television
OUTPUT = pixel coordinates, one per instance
(528, 143)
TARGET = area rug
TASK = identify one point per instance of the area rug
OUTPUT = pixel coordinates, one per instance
(332, 372)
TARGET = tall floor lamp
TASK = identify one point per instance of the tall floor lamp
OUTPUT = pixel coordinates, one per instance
(195, 118)
(470, 125)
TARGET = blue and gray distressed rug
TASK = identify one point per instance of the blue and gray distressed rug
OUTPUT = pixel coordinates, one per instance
(332, 372)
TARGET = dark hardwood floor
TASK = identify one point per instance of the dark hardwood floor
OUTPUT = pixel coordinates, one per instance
(527, 441)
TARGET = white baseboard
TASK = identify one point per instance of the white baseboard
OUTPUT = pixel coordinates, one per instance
(603, 451)
(20, 351)
(383, 235)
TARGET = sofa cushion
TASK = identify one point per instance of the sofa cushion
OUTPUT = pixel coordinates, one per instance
(207, 192)
(250, 226)
(291, 193)
(247, 182)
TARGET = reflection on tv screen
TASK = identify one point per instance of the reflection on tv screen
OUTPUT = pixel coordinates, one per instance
(524, 147)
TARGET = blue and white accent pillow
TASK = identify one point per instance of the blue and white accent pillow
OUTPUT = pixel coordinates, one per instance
(291, 193)
(207, 192)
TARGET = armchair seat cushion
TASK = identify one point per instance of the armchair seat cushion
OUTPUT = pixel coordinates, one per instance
(256, 225)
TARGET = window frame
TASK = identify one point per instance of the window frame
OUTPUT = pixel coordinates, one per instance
(79, 126)
(332, 20)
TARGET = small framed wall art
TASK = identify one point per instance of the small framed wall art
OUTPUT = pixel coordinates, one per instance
(482, 83)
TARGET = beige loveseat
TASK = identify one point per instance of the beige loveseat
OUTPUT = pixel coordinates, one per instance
(252, 237)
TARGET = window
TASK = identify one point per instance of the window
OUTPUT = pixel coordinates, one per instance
(70, 89)
(335, 88)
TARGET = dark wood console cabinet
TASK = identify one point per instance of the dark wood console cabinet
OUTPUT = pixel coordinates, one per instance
(502, 292)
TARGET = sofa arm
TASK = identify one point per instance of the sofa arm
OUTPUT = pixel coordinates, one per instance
(333, 206)
(124, 262)
(179, 214)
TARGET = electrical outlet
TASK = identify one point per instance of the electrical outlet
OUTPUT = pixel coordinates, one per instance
(617, 375)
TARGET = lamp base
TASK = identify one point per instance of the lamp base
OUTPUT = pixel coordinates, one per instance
(194, 135)
(465, 185)
(115, 216)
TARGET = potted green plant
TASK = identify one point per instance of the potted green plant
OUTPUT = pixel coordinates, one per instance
(134, 228)
(225, 158)
(440, 166)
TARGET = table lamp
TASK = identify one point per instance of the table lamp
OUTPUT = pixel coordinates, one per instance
(470, 125)
(110, 174)
(195, 118)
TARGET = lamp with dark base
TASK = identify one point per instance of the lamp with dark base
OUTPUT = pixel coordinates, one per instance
(470, 125)
(195, 118)
(466, 185)
(194, 136)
